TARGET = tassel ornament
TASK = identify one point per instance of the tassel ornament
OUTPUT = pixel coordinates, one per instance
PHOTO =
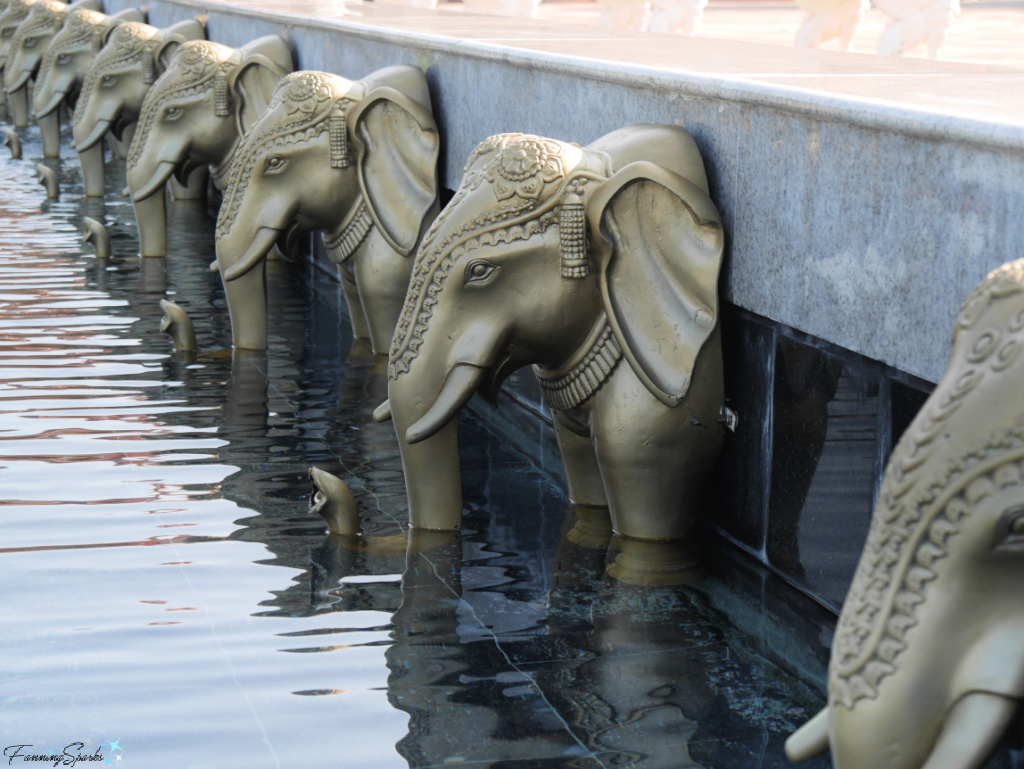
(148, 67)
(221, 104)
(338, 134)
(572, 235)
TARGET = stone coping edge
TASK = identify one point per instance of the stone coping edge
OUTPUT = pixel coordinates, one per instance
(870, 113)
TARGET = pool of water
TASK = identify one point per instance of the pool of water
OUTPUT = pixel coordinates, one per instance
(169, 600)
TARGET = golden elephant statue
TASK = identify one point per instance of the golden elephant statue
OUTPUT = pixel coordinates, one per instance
(355, 160)
(599, 267)
(116, 85)
(195, 115)
(927, 667)
(62, 70)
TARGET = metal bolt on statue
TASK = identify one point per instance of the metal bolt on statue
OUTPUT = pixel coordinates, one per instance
(196, 114)
(927, 668)
(599, 267)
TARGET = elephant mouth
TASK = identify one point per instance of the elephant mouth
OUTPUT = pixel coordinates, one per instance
(494, 376)
(51, 105)
(156, 182)
(94, 137)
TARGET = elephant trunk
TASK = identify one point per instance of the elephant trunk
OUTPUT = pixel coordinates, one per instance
(151, 216)
(144, 185)
(93, 171)
(433, 474)
(49, 128)
(17, 104)
(241, 261)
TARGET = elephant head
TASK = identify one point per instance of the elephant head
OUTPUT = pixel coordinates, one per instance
(15, 12)
(927, 665)
(195, 114)
(73, 49)
(355, 159)
(599, 266)
(116, 85)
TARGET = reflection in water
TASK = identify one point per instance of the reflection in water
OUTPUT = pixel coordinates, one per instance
(507, 646)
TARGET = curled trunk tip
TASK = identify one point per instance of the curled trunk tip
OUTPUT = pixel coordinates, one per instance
(96, 233)
(178, 325)
(331, 498)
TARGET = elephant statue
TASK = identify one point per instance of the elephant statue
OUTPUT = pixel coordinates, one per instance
(63, 67)
(14, 13)
(357, 160)
(196, 114)
(927, 665)
(115, 86)
(30, 43)
(599, 266)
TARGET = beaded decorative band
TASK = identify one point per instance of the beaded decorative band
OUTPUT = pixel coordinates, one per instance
(353, 232)
(573, 385)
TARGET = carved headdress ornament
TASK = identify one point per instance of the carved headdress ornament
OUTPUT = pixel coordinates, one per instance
(518, 186)
(10, 20)
(305, 105)
(84, 29)
(45, 16)
(132, 43)
(927, 495)
(196, 67)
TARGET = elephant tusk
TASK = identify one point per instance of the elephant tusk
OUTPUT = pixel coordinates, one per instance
(972, 731)
(809, 740)
(102, 126)
(178, 325)
(261, 244)
(20, 82)
(51, 105)
(383, 412)
(331, 498)
(458, 389)
(96, 233)
(156, 182)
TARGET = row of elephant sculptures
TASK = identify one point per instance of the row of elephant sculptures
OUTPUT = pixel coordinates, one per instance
(598, 266)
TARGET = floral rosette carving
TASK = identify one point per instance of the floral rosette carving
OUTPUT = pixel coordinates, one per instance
(523, 168)
(125, 47)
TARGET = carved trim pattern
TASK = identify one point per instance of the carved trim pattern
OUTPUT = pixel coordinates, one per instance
(190, 73)
(908, 535)
(81, 27)
(44, 16)
(526, 174)
(308, 100)
(569, 389)
(126, 46)
(353, 232)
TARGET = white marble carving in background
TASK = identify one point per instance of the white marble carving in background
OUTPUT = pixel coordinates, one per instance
(676, 17)
(913, 23)
(526, 9)
(830, 19)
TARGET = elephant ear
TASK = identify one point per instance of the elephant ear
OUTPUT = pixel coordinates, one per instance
(657, 243)
(396, 145)
(173, 37)
(264, 62)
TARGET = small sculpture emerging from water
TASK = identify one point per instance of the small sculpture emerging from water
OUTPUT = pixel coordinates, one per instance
(63, 67)
(176, 323)
(96, 233)
(47, 178)
(357, 160)
(196, 114)
(115, 86)
(829, 20)
(13, 142)
(913, 23)
(599, 266)
(31, 41)
(927, 667)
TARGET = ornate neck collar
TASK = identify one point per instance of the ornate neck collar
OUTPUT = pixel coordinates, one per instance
(219, 173)
(572, 385)
(350, 235)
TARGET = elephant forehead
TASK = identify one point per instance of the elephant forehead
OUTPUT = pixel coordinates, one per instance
(78, 32)
(45, 16)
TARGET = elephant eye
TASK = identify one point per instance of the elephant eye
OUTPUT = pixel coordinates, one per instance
(479, 271)
(108, 81)
(273, 163)
(172, 113)
(7, 31)
(28, 42)
(63, 58)
(1010, 533)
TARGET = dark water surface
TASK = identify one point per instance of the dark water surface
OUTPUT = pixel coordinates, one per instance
(166, 590)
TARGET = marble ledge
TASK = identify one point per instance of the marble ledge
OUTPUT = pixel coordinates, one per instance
(964, 103)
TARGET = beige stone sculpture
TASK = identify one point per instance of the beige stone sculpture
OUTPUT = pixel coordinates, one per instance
(676, 17)
(47, 178)
(96, 234)
(13, 15)
(30, 43)
(624, 14)
(115, 86)
(196, 114)
(915, 23)
(927, 665)
(598, 266)
(830, 20)
(355, 160)
(13, 142)
(62, 70)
